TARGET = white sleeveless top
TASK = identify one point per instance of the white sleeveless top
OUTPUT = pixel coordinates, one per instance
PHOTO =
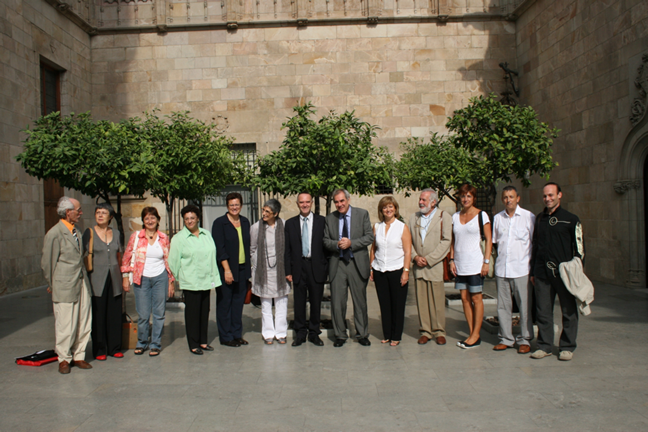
(389, 248)
(154, 264)
(468, 257)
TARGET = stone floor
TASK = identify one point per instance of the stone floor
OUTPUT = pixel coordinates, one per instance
(353, 388)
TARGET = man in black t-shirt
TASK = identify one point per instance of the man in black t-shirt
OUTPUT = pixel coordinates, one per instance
(558, 238)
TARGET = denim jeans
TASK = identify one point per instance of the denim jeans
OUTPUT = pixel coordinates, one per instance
(150, 297)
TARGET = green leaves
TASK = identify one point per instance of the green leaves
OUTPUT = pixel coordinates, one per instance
(319, 157)
(490, 142)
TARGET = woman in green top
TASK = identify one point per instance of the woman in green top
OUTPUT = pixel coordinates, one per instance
(192, 260)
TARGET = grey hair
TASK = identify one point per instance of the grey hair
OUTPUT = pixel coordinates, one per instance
(64, 204)
(346, 193)
(274, 205)
(433, 194)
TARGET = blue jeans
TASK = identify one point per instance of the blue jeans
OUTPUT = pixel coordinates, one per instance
(151, 296)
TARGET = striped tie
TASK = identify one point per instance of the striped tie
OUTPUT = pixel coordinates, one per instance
(74, 233)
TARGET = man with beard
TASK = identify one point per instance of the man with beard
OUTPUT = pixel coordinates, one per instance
(431, 236)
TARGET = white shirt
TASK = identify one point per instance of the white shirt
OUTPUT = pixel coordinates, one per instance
(468, 257)
(425, 223)
(154, 264)
(389, 248)
(310, 229)
(513, 236)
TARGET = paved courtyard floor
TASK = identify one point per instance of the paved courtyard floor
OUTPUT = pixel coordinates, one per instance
(353, 388)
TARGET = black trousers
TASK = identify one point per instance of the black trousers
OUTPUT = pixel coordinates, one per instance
(229, 307)
(196, 317)
(545, 295)
(307, 288)
(391, 297)
(106, 322)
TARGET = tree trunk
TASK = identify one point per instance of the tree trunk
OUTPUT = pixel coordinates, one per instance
(329, 199)
(169, 208)
(317, 204)
(118, 219)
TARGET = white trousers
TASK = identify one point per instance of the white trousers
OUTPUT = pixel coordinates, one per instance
(276, 327)
(73, 323)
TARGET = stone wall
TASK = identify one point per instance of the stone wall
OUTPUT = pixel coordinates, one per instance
(578, 61)
(31, 29)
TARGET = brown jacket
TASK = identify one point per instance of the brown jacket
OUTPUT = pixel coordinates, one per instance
(435, 247)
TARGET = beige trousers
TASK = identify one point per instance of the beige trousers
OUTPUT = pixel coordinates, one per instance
(73, 323)
(430, 301)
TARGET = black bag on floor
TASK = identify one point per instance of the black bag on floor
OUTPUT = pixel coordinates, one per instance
(39, 358)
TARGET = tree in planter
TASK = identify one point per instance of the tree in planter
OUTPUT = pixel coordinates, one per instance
(494, 142)
(194, 160)
(319, 157)
(99, 159)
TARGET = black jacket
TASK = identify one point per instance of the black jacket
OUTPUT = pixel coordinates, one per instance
(318, 253)
(227, 245)
(557, 238)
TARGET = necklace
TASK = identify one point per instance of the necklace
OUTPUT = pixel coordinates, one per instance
(151, 235)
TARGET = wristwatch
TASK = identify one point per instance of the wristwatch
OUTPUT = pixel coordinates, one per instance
(486, 261)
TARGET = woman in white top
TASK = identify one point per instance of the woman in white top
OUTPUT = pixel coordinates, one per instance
(468, 263)
(267, 249)
(390, 257)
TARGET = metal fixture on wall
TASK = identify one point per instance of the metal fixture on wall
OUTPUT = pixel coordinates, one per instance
(507, 98)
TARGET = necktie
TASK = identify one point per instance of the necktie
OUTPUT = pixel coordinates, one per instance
(74, 233)
(305, 239)
(346, 254)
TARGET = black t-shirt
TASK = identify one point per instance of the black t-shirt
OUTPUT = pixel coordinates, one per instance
(558, 237)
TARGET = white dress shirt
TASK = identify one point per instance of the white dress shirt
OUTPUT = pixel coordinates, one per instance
(310, 230)
(425, 224)
(513, 236)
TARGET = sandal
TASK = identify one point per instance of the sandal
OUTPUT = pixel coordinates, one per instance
(394, 343)
(267, 341)
(154, 352)
(281, 340)
(385, 341)
(139, 351)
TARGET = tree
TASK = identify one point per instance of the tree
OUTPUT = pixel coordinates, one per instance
(99, 159)
(494, 142)
(194, 160)
(319, 157)
(437, 164)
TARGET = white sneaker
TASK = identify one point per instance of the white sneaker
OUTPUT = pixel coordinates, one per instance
(538, 354)
(565, 355)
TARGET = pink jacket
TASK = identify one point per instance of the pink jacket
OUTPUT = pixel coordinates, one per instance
(140, 255)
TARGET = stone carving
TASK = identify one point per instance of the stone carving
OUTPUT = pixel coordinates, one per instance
(623, 186)
(638, 108)
(221, 123)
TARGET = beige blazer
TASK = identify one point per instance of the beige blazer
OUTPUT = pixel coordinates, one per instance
(62, 264)
(435, 247)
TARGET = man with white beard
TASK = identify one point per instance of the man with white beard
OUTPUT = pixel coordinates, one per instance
(431, 236)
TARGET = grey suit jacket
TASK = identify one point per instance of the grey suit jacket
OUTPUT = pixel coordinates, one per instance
(361, 237)
(435, 247)
(62, 264)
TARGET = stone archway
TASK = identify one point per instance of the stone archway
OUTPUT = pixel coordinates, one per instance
(630, 183)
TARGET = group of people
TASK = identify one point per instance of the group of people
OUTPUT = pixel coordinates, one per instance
(274, 256)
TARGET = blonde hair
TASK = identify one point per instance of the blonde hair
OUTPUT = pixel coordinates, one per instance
(384, 202)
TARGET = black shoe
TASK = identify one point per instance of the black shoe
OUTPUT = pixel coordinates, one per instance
(241, 341)
(364, 341)
(315, 340)
(207, 348)
(339, 342)
(298, 342)
(197, 351)
(232, 343)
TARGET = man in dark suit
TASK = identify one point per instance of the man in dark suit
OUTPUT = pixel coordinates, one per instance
(306, 268)
(67, 279)
(347, 235)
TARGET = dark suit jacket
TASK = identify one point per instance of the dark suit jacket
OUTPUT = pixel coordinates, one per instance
(62, 264)
(361, 237)
(293, 258)
(227, 245)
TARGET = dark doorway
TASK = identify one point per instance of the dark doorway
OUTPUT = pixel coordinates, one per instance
(645, 212)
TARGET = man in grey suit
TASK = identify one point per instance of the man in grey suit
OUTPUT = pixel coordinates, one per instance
(347, 235)
(62, 265)
(431, 236)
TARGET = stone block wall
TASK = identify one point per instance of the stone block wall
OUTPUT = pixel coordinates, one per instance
(578, 62)
(31, 29)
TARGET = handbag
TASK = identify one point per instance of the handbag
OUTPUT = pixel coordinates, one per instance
(129, 329)
(132, 261)
(39, 358)
(87, 260)
(447, 274)
(482, 244)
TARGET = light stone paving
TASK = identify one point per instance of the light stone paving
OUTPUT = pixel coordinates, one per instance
(353, 388)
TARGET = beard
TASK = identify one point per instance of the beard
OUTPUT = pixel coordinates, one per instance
(425, 210)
